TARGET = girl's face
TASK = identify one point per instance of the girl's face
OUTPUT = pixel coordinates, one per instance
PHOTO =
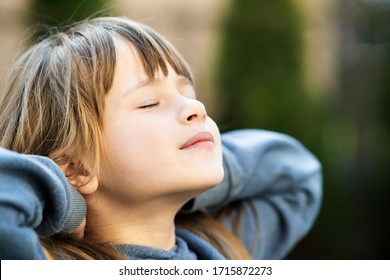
(160, 142)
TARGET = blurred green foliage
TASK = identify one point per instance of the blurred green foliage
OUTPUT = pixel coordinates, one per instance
(56, 13)
(260, 66)
(260, 83)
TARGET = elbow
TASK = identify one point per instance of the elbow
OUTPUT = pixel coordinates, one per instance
(312, 202)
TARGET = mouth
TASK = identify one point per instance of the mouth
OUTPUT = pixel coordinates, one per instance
(203, 139)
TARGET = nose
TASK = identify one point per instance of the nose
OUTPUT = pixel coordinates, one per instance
(193, 111)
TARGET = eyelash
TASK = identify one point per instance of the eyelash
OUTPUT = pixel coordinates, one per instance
(148, 106)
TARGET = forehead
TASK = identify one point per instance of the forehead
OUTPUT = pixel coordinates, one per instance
(127, 53)
(129, 67)
(149, 55)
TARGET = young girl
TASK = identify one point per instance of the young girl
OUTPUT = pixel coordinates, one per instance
(125, 163)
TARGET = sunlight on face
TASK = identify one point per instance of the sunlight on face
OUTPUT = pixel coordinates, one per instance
(160, 142)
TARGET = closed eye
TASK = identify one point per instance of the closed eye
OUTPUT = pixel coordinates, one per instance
(147, 106)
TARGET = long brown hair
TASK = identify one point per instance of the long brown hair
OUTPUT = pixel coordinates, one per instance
(53, 106)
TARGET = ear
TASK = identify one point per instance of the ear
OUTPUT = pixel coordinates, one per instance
(84, 183)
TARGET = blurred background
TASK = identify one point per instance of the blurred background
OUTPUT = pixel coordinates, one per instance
(317, 70)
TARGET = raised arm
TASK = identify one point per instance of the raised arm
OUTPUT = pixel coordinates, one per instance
(279, 183)
(35, 199)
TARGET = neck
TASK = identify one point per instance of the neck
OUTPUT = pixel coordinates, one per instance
(148, 224)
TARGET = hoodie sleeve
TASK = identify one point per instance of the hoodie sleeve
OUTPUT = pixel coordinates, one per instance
(35, 200)
(278, 184)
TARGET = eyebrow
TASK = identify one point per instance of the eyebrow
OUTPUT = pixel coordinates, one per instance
(145, 83)
(182, 81)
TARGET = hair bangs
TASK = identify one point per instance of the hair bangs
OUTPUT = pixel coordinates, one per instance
(155, 51)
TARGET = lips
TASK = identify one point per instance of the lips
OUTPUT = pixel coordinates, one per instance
(204, 138)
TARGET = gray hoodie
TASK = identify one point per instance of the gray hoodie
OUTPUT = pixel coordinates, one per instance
(275, 179)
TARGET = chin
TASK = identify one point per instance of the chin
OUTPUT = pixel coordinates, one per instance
(215, 178)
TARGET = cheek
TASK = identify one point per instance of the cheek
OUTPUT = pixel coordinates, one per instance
(135, 146)
(128, 159)
(131, 143)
